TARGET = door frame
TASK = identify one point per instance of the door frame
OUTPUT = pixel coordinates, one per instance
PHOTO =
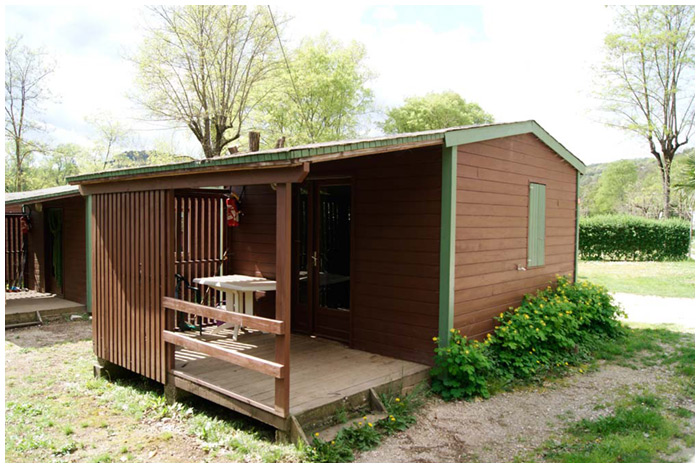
(313, 225)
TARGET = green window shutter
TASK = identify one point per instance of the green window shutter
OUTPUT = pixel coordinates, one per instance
(535, 227)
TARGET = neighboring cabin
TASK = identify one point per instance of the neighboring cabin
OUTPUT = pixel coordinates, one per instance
(377, 244)
(55, 244)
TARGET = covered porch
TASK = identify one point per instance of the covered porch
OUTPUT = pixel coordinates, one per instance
(352, 247)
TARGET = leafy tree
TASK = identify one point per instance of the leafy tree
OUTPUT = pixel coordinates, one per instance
(685, 181)
(59, 163)
(433, 111)
(26, 71)
(649, 86)
(322, 96)
(615, 181)
(200, 64)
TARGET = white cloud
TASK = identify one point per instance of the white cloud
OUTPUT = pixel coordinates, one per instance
(529, 62)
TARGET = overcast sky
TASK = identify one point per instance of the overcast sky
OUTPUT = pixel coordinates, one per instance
(518, 62)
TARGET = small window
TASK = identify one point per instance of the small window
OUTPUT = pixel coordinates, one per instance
(535, 228)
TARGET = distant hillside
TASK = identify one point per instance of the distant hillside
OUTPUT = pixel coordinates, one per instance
(643, 196)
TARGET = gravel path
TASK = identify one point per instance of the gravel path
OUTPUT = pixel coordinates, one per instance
(510, 424)
(681, 312)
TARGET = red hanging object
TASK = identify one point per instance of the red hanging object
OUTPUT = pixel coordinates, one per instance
(25, 224)
(233, 210)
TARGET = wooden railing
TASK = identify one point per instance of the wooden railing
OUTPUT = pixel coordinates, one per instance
(271, 368)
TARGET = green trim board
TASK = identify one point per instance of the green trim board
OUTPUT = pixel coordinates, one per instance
(578, 180)
(450, 137)
(536, 225)
(473, 135)
(88, 253)
(448, 217)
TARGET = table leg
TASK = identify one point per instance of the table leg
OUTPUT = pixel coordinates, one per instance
(239, 306)
(231, 306)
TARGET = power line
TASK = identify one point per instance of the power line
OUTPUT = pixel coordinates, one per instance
(289, 71)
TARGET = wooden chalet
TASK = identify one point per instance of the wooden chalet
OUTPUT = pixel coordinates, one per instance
(51, 256)
(375, 247)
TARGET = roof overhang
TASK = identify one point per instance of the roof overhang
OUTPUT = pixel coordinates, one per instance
(42, 195)
(295, 156)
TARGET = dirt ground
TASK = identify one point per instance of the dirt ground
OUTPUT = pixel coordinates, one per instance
(510, 425)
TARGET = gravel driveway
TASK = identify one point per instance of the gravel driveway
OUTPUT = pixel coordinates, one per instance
(507, 425)
(681, 312)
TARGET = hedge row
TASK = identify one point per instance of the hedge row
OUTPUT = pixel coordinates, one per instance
(632, 238)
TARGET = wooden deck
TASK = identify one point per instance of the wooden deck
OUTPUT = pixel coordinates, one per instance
(323, 372)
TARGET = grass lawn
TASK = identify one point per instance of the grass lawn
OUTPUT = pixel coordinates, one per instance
(666, 279)
(56, 411)
(650, 425)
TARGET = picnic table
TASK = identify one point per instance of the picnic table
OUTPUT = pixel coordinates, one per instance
(240, 294)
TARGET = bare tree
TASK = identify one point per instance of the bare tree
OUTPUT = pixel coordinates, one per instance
(111, 135)
(199, 66)
(649, 72)
(25, 75)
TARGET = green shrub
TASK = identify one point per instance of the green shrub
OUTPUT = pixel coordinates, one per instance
(632, 238)
(319, 451)
(461, 368)
(553, 328)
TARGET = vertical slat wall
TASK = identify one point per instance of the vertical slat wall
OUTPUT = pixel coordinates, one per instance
(200, 239)
(13, 248)
(131, 252)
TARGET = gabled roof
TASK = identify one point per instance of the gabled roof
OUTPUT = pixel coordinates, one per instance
(32, 196)
(313, 152)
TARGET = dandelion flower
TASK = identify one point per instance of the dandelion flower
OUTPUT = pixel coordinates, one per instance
(365, 418)
(398, 400)
(369, 424)
(316, 434)
(332, 442)
(435, 338)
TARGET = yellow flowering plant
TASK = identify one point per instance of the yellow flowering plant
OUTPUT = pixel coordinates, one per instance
(320, 451)
(461, 368)
(556, 325)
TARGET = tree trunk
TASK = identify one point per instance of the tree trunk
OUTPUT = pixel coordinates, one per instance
(666, 184)
(18, 161)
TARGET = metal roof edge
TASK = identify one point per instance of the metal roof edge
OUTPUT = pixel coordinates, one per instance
(73, 191)
(274, 155)
(451, 137)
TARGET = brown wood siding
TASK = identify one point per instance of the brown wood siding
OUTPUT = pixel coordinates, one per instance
(74, 251)
(132, 270)
(13, 250)
(395, 248)
(493, 180)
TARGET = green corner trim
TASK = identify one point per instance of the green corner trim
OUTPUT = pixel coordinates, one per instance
(88, 253)
(447, 243)
(473, 135)
(578, 179)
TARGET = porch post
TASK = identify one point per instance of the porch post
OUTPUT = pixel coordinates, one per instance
(283, 277)
(88, 253)
(447, 242)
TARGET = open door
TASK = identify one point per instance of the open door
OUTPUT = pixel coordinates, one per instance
(54, 251)
(321, 244)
